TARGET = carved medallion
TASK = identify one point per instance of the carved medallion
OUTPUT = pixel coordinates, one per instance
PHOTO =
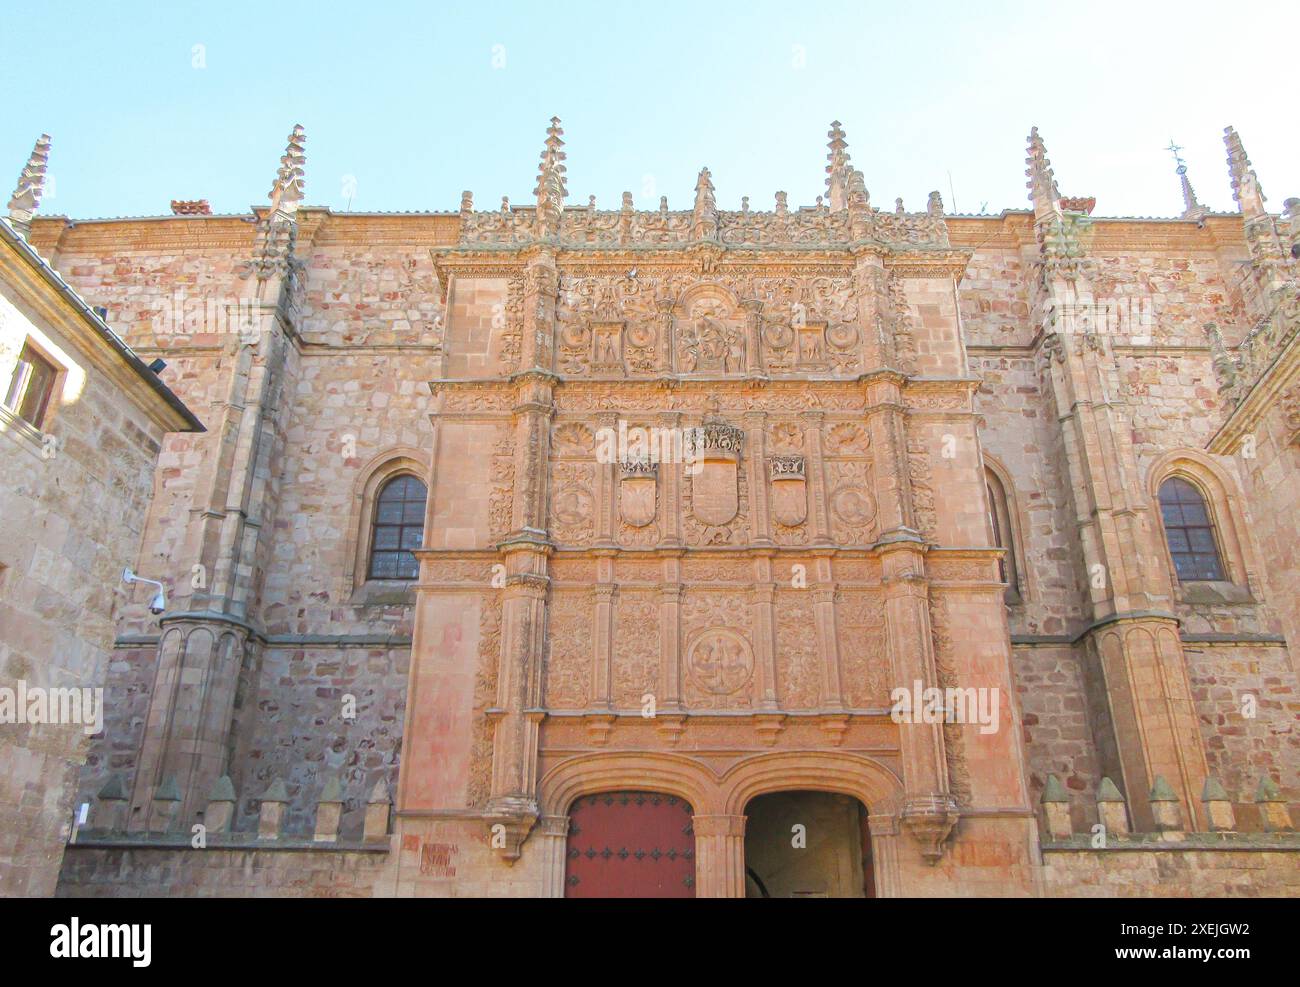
(715, 495)
(854, 506)
(573, 505)
(777, 335)
(636, 492)
(641, 335)
(842, 336)
(789, 490)
(720, 661)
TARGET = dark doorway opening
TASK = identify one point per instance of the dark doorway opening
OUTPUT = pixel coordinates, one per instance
(807, 845)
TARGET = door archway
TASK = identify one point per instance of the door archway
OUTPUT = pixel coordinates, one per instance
(630, 844)
(807, 844)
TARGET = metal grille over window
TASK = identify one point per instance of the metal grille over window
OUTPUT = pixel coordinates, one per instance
(398, 529)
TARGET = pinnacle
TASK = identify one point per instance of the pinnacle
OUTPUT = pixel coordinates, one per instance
(838, 171)
(31, 183)
(289, 188)
(1245, 183)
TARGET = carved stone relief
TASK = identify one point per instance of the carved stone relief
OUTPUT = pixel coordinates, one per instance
(718, 659)
(636, 648)
(569, 652)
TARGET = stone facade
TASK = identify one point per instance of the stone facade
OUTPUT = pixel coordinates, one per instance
(704, 488)
(75, 487)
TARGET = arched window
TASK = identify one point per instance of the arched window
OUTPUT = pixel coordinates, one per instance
(1189, 532)
(397, 529)
(1000, 522)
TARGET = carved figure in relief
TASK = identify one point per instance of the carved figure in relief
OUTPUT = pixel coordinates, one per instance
(711, 344)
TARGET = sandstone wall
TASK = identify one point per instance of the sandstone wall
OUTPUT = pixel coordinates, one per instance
(71, 519)
(1172, 872)
(91, 872)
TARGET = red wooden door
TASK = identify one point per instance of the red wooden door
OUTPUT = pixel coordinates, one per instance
(630, 845)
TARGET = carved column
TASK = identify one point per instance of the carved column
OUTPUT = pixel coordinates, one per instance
(753, 308)
(512, 805)
(763, 623)
(670, 480)
(602, 679)
(664, 306)
(828, 638)
(869, 290)
(929, 811)
(669, 701)
(607, 485)
(816, 467)
(554, 835)
(719, 856)
(541, 292)
(884, 855)
(756, 440)
(888, 427)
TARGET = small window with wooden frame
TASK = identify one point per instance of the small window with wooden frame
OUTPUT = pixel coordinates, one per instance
(31, 386)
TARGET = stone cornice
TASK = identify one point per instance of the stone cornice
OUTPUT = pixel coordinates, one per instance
(1014, 229)
(1010, 230)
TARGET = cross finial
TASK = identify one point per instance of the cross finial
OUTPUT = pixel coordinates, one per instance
(1191, 208)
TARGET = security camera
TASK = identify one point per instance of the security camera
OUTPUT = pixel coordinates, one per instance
(159, 602)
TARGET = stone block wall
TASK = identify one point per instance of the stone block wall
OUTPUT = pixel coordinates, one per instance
(72, 512)
(108, 872)
(1172, 872)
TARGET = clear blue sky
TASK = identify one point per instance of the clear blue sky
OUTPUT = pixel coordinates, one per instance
(406, 98)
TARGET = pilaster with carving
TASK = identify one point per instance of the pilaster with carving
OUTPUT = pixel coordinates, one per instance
(512, 804)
